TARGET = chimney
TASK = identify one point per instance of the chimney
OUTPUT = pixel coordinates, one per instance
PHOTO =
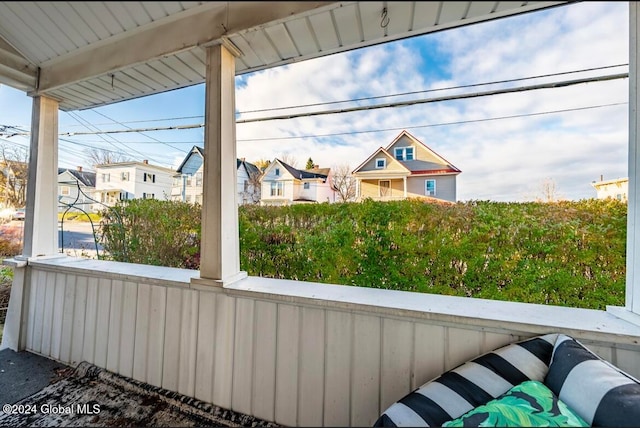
(601, 177)
(146, 162)
(242, 159)
(316, 166)
(79, 169)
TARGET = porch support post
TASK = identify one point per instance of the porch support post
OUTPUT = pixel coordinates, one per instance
(632, 301)
(631, 310)
(220, 246)
(41, 219)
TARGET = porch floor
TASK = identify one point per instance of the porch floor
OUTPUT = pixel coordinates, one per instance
(51, 393)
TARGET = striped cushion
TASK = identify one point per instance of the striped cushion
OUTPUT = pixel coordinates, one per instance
(472, 384)
(599, 392)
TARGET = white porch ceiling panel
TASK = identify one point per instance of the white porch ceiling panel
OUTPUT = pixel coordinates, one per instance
(88, 54)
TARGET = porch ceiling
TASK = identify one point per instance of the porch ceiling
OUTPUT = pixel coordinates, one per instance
(88, 54)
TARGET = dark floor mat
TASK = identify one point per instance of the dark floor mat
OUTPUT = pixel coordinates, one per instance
(96, 397)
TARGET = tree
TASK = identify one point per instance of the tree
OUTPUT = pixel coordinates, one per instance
(99, 156)
(289, 160)
(344, 183)
(309, 164)
(13, 179)
(548, 191)
(262, 164)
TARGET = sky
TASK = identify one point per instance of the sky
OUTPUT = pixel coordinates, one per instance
(506, 145)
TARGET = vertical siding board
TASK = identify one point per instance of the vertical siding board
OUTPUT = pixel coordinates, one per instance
(47, 317)
(628, 361)
(428, 359)
(462, 345)
(128, 328)
(223, 360)
(67, 319)
(90, 320)
(243, 356)
(365, 394)
(205, 345)
(102, 322)
(493, 341)
(311, 382)
(188, 343)
(172, 330)
(142, 332)
(264, 382)
(397, 352)
(34, 288)
(56, 319)
(155, 347)
(287, 365)
(79, 308)
(115, 326)
(337, 394)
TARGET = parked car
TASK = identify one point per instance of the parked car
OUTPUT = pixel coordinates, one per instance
(19, 214)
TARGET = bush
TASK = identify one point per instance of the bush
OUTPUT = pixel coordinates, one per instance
(153, 232)
(569, 253)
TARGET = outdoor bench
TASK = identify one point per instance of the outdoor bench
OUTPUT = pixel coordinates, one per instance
(549, 380)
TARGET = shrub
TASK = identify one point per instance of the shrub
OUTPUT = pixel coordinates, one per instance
(569, 253)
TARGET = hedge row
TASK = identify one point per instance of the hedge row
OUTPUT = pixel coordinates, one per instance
(569, 253)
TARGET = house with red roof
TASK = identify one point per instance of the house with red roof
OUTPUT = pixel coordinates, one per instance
(406, 168)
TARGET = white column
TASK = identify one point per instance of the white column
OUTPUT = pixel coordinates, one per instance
(633, 214)
(404, 182)
(631, 311)
(41, 217)
(220, 246)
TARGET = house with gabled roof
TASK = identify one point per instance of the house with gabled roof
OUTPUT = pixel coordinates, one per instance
(283, 184)
(406, 168)
(76, 189)
(188, 186)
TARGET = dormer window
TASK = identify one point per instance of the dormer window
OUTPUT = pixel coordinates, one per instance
(381, 163)
(403, 153)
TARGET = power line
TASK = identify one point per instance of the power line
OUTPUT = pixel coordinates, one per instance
(378, 96)
(461, 122)
(472, 85)
(384, 105)
(438, 99)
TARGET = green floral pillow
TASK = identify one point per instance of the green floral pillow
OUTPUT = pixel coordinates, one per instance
(530, 404)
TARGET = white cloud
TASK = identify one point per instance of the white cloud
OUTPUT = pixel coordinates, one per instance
(500, 159)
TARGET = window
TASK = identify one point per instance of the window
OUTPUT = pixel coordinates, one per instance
(430, 187)
(124, 176)
(188, 198)
(106, 177)
(149, 177)
(188, 180)
(199, 179)
(246, 186)
(277, 172)
(381, 163)
(199, 199)
(64, 190)
(403, 153)
(306, 185)
(148, 196)
(276, 188)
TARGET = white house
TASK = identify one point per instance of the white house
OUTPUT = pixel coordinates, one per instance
(283, 184)
(187, 181)
(617, 188)
(76, 189)
(131, 180)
